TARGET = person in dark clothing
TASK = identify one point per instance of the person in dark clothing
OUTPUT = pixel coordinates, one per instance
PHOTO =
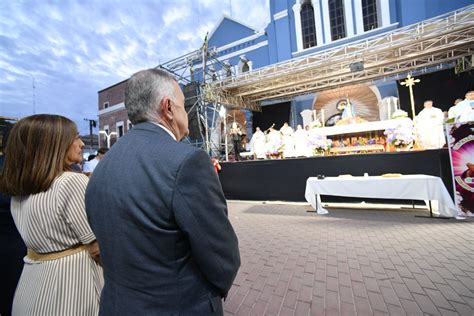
(12, 251)
(236, 136)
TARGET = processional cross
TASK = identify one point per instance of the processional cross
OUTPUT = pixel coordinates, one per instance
(410, 82)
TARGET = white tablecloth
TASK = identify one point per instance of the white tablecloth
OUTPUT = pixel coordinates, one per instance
(408, 187)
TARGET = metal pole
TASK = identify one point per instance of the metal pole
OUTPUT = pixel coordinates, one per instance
(90, 134)
(108, 140)
(206, 129)
(225, 139)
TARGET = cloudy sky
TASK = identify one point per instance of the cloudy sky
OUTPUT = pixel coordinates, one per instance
(72, 49)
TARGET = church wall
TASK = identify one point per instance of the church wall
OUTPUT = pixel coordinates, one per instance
(437, 7)
(409, 11)
(283, 40)
(280, 5)
(272, 43)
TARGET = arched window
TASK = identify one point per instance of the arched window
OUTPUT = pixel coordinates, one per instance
(245, 67)
(369, 14)
(308, 29)
(336, 18)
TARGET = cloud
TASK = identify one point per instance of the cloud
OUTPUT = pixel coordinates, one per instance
(73, 49)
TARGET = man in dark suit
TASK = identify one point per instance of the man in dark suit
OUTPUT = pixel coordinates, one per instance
(157, 209)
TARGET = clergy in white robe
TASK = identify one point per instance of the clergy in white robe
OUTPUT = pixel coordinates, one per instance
(257, 144)
(429, 127)
(273, 141)
(301, 142)
(464, 110)
(288, 142)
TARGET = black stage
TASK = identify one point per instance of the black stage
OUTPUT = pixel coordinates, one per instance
(285, 180)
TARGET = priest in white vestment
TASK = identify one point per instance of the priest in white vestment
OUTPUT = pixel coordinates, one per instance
(273, 141)
(257, 144)
(429, 127)
(288, 142)
(301, 142)
(463, 111)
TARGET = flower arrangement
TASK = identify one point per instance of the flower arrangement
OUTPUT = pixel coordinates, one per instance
(319, 143)
(399, 114)
(275, 149)
(315, 124)
(400, 136)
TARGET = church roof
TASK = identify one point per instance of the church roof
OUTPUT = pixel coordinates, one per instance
(229, 30)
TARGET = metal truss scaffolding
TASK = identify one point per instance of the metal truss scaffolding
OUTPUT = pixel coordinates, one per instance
(436, 41)
(205, 105)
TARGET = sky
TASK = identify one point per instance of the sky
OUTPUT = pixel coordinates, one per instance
(56, 55)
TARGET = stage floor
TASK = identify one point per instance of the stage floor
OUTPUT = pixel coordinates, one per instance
(285, 180)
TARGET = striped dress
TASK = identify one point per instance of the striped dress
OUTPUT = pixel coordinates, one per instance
(52, 221)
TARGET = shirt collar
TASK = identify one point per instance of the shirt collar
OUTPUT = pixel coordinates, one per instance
(166, 130)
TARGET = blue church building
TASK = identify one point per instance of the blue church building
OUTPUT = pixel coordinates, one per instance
(301, 29)
(310, 27)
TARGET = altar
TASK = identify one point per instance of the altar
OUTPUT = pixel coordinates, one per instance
(366, 137)
(405, 187)
(365, 127)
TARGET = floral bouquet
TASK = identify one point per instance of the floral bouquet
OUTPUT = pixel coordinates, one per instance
(275, 149)
(400, 136)
(399, 114)
(319, 143)
(315, 124)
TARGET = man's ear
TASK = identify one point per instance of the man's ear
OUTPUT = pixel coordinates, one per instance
(166, 109)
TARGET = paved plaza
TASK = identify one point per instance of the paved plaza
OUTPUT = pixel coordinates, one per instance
(350, 262)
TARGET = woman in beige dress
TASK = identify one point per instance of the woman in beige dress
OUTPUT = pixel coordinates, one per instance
(61, 273)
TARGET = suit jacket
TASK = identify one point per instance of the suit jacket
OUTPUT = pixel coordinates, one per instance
(159, 214)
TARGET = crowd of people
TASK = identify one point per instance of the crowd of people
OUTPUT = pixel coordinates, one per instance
(140, 236)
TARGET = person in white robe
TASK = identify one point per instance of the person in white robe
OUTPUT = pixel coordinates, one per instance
(273, 140)
(464, 110)
(452, 110)
(257, 144)
(301, 142)
(288, 142)
(429, 127)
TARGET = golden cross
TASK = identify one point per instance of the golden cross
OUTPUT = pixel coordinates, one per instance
(410, 82)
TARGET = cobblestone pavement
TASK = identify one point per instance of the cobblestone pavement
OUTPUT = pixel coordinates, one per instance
(350, 262)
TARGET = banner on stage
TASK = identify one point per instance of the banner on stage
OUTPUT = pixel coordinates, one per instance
(461, 153)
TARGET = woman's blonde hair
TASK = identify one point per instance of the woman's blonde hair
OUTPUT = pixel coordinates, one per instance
(36, 153)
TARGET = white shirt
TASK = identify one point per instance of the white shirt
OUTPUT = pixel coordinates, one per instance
(166, 130)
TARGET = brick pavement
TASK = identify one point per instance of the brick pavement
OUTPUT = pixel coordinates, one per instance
(350, 262)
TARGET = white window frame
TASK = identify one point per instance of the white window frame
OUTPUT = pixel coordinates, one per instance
(243, 59)
(106, 105)
(383, 15)
(117, 125)
(107, 130)
(317, 24)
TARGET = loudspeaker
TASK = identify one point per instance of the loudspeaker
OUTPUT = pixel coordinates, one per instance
(191, 93)
(357, 66)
